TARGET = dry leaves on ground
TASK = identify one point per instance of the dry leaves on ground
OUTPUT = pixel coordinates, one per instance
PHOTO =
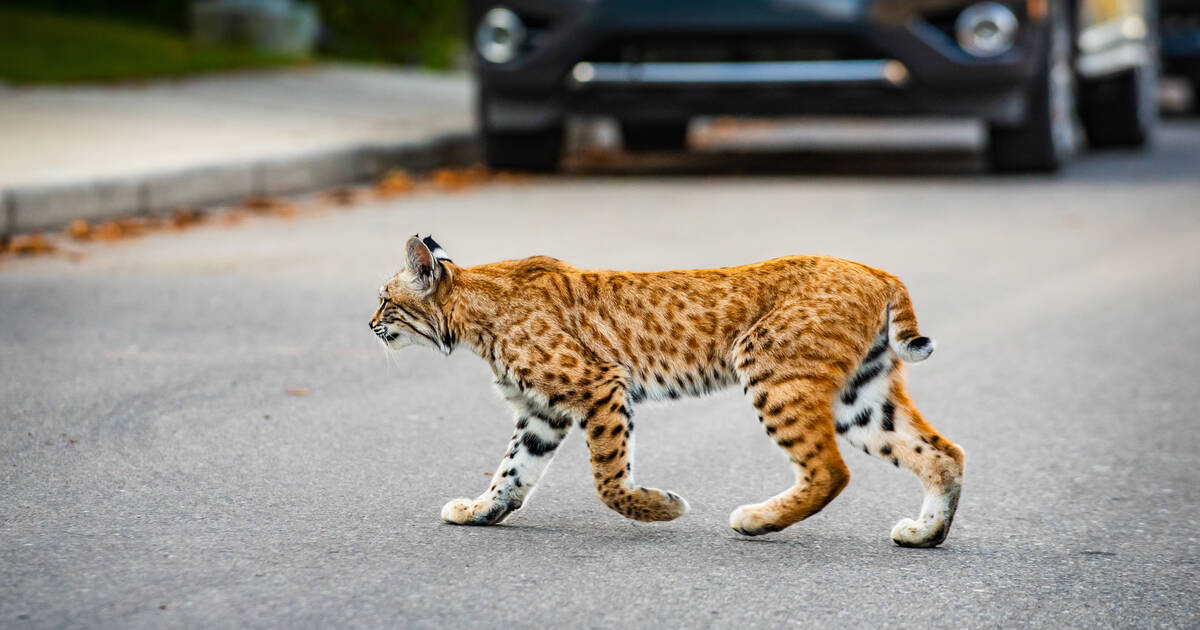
(511, 178)
(457, 179)
(270, 205)
(299, 391)
(79, 229)
(394, 183)
(187, 217)
(345, 196)
(115, 230)
(133, 227)
(28, 245)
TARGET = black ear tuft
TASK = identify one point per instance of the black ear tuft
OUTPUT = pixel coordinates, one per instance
(436, 249)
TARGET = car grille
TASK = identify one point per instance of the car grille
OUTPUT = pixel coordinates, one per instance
(726, 48)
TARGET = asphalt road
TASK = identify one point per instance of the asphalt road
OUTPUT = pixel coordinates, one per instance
(155, 473)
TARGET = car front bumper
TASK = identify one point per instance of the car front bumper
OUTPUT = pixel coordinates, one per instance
(883, 57)
(1180, 31)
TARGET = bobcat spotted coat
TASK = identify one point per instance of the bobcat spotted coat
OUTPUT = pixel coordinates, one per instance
(816, 343)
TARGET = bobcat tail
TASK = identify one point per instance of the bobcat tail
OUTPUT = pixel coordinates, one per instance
(902, 328)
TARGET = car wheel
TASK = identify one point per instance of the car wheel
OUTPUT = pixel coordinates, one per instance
(535, 150)
(1049, 137)
(1120, 111)
(655, 136)
(1194, 83)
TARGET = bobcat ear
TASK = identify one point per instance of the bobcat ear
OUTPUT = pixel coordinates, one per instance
(438, 252)
(425, 268)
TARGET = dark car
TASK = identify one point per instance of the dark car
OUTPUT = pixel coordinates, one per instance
(1020, 65)
(1179, 26)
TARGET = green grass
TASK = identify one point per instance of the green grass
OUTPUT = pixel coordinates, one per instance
(43, 48)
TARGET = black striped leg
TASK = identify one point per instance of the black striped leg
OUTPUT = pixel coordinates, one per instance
(529, 453)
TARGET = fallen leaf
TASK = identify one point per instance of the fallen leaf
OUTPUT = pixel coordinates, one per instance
(231, 217)
(109, 231)
(30, 245)
(343, 196)
(511, 177)
(394, 183)
(488, 474)
(269, 205)
(128, 227)
(296, 392)
(259, 203)
(460, 178)
(79, 230)
(186, 217)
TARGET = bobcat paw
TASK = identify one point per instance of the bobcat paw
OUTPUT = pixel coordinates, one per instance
(468, 512)
(458, 511)
(647, 504)
(910, 533)
(672, 507)
(752, 520)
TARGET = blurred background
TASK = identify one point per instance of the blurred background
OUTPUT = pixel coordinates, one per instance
(145, 106)
(199, 201)
(104, 40)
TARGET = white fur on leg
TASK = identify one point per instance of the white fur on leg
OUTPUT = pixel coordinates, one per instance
(529, 454)
(457, 511)
(751, 520)
(937, 512)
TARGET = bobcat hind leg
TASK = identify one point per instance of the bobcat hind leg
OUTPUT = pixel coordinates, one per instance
(874, 413)
(792, 392)
(938, 463)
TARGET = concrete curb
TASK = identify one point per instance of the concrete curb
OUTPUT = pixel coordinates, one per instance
(33, 208)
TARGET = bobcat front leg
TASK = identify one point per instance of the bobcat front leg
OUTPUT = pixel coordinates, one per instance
(529, 453)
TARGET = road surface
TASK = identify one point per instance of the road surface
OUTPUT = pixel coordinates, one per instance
(155, 472)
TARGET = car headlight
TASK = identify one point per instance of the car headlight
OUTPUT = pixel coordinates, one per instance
(500, 35)
(986, 29)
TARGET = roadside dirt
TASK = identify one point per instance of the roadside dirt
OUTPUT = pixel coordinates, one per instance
(66, 243)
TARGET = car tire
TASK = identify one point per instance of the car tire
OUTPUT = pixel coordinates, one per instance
(536, 151)
(1194, 83)
(1120, 111)
(533, 150)
(655, 136)
(1049, 137)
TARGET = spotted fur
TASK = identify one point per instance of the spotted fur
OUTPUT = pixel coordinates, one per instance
(816, 344)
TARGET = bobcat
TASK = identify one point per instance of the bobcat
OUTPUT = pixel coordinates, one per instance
(815, 342)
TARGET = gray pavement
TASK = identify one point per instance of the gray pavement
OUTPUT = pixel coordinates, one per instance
(138, 127)
(155, 473)
(100, 151)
